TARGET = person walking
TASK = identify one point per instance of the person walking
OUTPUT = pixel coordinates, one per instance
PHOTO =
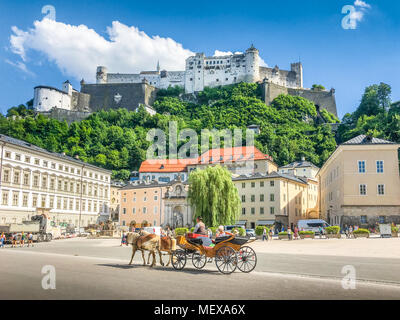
(2, 240)
(123, 239)
(264, 236)
(13, 240)
(270, 233)
(30, 239)
(289, 233)
(296, 233)
(22, 241)
(350, 231)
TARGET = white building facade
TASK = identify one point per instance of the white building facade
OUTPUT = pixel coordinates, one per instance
(72, 191)
(201, 71)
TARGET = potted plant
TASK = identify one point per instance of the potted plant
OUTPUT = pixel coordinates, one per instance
(361, 233)
(395, 231)
(307, 234)
(259, 231)
(283, 235)
(333, 232)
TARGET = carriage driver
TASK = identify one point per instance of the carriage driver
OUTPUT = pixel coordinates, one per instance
(200, 228)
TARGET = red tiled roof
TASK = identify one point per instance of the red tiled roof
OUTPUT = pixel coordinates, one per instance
(233, 154)
(166, 165)
(211, 156)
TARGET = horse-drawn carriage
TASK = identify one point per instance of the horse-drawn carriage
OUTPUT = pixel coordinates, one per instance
(228, 252)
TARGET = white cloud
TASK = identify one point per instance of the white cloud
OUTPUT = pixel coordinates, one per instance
(362, 4)
(21, 66)
(218, 53)
(77, 50)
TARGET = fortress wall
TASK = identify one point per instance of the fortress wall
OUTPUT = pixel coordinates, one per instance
(102, 96)
(281, 77)
(67, 115)
(80, 101)
(323, 99)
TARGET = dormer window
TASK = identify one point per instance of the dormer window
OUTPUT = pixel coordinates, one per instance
(162, 166)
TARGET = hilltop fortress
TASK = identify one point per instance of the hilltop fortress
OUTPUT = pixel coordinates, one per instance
(122, 90)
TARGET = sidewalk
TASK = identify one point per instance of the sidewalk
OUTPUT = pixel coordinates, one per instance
(361, 247)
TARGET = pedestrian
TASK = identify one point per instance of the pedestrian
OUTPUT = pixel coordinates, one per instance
(22, 240)
(30, 239)
(346, 231)
(289, 233)
(296, 233)
(270, 233)
(2, 240)
(320, 230)
(123, 239)
(264, 234)
(350, 231)
(13, 240)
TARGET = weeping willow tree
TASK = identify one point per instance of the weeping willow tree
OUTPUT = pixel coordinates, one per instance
(214, 196)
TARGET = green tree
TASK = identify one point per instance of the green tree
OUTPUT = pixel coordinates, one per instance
(214, 196)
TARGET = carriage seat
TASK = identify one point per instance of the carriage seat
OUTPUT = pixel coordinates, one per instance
(220, 239)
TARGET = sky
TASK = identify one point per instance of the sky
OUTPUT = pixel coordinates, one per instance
(342, 44)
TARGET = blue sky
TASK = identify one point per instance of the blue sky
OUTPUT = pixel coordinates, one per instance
(283, 31)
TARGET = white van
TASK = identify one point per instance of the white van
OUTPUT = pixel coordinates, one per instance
(153, 230)
(312, 225)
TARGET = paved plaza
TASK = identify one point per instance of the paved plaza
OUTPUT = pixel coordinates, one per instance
(300, 269)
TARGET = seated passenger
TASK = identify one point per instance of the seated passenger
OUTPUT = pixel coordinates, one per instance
(220, 232)
(200, 228)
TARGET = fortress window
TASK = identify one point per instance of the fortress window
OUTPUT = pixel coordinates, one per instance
(226, 79)
(191, 79)
(217, 80)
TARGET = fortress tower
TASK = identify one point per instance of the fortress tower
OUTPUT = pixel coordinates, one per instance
(101, 75)
(252, 65)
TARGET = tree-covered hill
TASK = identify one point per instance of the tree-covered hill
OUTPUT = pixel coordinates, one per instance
(116, 139)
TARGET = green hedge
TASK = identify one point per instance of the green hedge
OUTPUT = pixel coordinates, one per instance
(395, 229)
(307, 232)
(283, 233)
(181, 231)
(213, 229)
(332, 230)
(259, 230)
(361, 231)
(242, 232)
(191, 229)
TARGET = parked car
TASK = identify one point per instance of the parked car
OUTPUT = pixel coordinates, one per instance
(312, 225)
(250, 233)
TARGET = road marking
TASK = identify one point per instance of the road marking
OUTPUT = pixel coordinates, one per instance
(256, 273)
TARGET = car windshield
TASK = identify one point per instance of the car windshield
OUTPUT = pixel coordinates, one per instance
(315, 224)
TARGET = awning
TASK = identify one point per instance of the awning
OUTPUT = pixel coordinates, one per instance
(265, 222)
(241, 222)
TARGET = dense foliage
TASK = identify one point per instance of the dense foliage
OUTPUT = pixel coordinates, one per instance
(206, 189)
(116, 139)
(376, 115)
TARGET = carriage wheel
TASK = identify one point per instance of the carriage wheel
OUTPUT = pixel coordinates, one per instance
(178, 259)
(226, 260)
(247, 259)
(199, 260)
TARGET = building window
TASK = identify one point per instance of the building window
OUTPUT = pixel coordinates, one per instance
(18, 157)
(26, 179)
(253, 184)
(382, 219)
(253, 210)
(272, 183)
(361, 166)
(379, 166)
(272, 210)
(51, 203)
(144, 210)
(243, 211)
(59, 203)
(243, 185)
(363, 189)
(44, 182)
(272, 197)
(36, 181)
(262, 210)
(363, 219)
(5, 198)
(27, 159)
(6, 175)
(133, 210)
(34, 200)
(253, 198)
(262, 184)
(15, 199)
(243, 198)
(124, 210)
(16, 177)
(52, 183)
(25, 200)
(37, 161)
(381, 189)
(261, 197)
(43, 202)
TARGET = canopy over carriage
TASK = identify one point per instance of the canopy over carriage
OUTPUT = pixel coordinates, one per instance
(228, 252)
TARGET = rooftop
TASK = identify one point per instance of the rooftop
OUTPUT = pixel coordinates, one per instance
(269, 176)
(363, 139)
(27, 145)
